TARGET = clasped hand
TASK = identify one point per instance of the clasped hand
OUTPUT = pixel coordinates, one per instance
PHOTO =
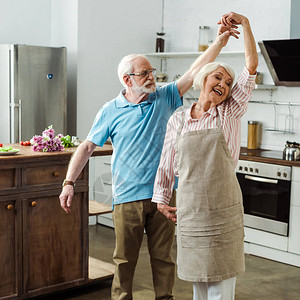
(228, 26)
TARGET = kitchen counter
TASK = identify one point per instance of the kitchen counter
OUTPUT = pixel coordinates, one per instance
(27, 154)
(259, 155)
(266, 156)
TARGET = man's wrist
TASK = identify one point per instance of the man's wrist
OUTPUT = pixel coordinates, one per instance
(68, 182)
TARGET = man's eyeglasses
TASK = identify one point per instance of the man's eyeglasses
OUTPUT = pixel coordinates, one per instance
(144, 73)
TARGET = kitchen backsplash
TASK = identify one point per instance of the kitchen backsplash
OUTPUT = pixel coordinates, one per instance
(279, 123)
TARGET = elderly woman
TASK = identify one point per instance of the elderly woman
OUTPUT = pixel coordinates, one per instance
(202, 147)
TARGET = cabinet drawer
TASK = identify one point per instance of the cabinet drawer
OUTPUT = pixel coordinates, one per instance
(45, 174)
(8, 178)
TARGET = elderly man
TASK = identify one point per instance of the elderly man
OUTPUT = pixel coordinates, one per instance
(136, 122)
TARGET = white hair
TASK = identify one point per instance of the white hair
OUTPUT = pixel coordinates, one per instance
(209, 68)
(125, 66)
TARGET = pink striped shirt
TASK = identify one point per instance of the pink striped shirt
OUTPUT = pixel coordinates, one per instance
(230, 113)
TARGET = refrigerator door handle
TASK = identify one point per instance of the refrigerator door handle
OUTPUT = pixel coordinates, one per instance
(19, 106)
(20, 120)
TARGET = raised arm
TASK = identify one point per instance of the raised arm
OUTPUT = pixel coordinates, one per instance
(224, 32)
(77, 163)
(249, 41)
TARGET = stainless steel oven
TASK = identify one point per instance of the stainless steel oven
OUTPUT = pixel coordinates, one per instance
(266, 190)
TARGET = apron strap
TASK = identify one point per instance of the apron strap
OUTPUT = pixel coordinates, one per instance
(179, 132)
(219, 124)
(181, 125)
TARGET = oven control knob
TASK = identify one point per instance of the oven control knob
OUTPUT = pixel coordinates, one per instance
(240, 168)
(256, 170)
(285, 175)
(251, 169)
(246, 169)
(279, 174)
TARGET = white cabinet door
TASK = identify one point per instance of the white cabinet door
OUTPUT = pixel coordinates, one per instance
(101, 185)
(296, 174)
(294, 231)
(295, 193)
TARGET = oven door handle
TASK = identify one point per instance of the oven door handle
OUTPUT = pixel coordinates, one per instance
(261, 179)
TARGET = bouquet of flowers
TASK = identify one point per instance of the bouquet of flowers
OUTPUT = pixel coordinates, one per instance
(47, 142)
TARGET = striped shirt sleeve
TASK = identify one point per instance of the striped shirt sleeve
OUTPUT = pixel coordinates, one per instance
(240, 95)
(165, 180)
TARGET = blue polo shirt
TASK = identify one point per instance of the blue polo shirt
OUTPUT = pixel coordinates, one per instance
(137, 134)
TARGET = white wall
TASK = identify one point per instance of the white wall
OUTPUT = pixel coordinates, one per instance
(270, 19)
(25, 22)
(108, 30)
(98, 34)
(107, 34)
(64, 32)
(45, 23)
(295, 21)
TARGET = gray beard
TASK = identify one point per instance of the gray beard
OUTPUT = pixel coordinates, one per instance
(143, 89)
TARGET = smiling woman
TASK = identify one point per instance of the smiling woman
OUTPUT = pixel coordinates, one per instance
(202, 148)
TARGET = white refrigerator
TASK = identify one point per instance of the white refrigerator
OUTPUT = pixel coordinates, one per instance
(33, 91)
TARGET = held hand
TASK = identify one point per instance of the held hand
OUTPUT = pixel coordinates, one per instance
(66, 198)
(168, 211)
(225, 32)
(232, 18)
(222, 38)
(229, 28)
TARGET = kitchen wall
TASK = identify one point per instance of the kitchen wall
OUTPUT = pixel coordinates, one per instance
(25, 22)
(107, 31)
(98, 35)
(64, 32)
(45, 23)
(269, 20)
(106, 34)
(295, 21)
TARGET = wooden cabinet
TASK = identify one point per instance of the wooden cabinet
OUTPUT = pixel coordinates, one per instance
(9, 258)
(47, 226)
(42, 249)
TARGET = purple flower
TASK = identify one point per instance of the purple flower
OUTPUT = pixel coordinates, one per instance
(47, 142)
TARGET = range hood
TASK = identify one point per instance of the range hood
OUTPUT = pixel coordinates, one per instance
(283, 60)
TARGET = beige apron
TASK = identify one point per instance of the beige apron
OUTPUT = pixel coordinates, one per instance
(210, 232)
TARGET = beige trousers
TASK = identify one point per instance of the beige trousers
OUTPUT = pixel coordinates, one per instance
(130, 220)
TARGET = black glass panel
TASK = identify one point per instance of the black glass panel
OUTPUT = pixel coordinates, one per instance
(285, 58)
(271, 201)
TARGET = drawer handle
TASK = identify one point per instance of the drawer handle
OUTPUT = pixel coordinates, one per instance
(33, 203)
(10, 207)
(56, 174)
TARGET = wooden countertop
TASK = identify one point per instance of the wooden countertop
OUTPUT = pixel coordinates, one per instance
(266, 156)
(27, 154)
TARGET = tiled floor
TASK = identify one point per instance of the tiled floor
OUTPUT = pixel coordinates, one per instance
(263, 280)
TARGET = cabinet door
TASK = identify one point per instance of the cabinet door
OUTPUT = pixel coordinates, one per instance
(8, 248)
(55, 251)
